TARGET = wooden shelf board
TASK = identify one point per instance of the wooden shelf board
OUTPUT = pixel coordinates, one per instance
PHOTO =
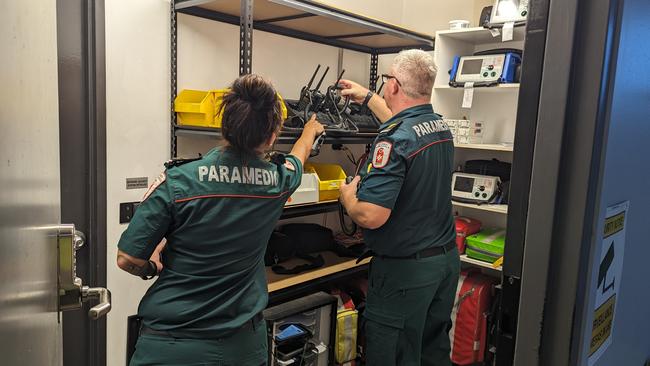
(502, 209)
(313, 20)
(491, 147)
(465, 259)
(480, 35)
(333, 264)
(500, 87)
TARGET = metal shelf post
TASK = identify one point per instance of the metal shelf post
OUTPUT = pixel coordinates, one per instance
(173, 75)
(374, 64)
(246, 38)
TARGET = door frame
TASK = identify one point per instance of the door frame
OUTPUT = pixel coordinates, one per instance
(566, 80)
(82, 139)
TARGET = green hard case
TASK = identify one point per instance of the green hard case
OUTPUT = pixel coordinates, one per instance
(486, 245)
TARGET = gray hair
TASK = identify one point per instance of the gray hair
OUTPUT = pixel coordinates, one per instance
(416, 73)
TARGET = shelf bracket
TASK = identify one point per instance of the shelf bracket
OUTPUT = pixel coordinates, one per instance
(246, 38)
(374, 63)
(173, 76)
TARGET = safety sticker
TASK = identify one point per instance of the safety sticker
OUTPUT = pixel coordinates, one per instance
(160, 180)
(382, 154)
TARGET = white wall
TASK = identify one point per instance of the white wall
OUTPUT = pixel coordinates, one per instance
(137, 133)
(137, 93)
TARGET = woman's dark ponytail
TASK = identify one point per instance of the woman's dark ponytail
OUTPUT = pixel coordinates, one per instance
(251, 113)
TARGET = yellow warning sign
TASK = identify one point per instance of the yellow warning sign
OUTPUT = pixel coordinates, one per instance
(614, 224)
(602, 325)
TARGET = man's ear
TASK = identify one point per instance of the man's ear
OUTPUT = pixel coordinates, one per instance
(393, 88)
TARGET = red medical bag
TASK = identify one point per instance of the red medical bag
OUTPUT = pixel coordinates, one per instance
(464, 228)
(468, 334)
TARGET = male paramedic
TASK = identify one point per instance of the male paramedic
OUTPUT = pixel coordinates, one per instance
(402, 199)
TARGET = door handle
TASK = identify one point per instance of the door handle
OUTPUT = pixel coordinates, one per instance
(72, 292)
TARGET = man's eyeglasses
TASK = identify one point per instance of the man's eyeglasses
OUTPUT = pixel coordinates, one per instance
(386, 77)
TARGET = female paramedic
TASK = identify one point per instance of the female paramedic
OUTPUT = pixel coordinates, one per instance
(216, 214)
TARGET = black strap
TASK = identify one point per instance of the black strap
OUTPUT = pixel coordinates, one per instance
(314, 262)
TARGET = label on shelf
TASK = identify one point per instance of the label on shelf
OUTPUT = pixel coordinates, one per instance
(468, 95)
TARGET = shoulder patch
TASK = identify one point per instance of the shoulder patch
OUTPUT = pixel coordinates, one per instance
(390, 128)
(156, 183)
(381, 155)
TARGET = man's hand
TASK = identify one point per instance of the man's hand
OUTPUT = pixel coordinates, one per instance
(349, 191)
(353, 90)
(156, 256)
(313, 127)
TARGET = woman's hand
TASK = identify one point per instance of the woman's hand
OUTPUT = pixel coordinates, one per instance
(156, 257)
(313, 127)
(310, 132)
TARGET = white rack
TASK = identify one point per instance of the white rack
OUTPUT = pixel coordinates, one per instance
(500, 209)
(489, 147)
(495, 106)
(465, 259)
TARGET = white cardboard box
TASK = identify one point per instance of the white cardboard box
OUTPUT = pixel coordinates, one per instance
(307, 192)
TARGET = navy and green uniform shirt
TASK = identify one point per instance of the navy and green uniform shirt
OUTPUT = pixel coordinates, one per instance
(409, 171)
(217, 214)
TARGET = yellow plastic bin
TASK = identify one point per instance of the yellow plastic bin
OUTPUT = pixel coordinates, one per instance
(330, 178)
(201, 108)
(195, 108)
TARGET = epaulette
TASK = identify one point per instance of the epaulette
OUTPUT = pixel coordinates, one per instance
(178, 162)
(390, 129)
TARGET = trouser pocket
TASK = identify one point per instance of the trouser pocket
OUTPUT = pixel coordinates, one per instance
(382, 336)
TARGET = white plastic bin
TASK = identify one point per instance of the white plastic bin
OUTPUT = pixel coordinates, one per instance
(307, 192)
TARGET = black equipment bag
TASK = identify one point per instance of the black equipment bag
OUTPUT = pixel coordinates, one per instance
(304, 240)
(309, 238)
(279, 249)
(494, 168)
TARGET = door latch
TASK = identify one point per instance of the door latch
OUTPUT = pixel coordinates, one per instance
(72, 292)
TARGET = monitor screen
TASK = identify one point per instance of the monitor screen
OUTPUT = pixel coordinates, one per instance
(472, 67)
(464, 184)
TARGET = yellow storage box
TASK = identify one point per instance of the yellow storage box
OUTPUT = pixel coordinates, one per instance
(201, 108)
(330, 178)
(195, 108)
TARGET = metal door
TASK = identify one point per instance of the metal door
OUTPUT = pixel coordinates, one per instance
(37, 262)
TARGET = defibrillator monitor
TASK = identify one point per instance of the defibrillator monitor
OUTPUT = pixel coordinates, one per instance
(505, 11)
(485, 70)
(473, 188)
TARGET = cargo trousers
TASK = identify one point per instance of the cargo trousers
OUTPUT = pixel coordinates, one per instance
(407, 315)
(246, 347)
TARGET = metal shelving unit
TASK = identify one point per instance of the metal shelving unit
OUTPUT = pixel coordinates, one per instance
(307, 20)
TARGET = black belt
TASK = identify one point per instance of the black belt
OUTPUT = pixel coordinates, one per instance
(180, 334)
(424, 253)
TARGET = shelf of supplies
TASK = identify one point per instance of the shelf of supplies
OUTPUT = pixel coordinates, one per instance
(309, 209)
(490, 147)
(333, 265)
(314, 21)
(465, 259)
(480, 35)
(284, 138)
(500, 87)
(502, 209)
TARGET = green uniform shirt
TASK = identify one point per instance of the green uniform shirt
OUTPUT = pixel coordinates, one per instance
(409, 171)
(217, 214)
